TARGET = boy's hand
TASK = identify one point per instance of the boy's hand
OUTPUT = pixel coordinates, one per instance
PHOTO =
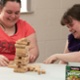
(51, 59)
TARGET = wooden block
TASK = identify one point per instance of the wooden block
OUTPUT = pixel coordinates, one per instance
(39, 72)
(26, 57)
(37, 69)
(20, 46)
(20, 70)
(23, 41)
(11, 64)
(21, 50)
(31, 68)
(21, 62)
(43, 71)
(21, 54)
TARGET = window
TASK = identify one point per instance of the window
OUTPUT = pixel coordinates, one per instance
(25, 6)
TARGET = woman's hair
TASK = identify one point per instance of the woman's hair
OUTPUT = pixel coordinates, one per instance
(3, 2)
(71, 13)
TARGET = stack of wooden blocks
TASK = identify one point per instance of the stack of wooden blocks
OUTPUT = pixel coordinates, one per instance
(21, 62)
(22, 55)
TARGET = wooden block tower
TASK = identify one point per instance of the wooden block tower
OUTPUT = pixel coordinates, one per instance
(21, 62)
(22, 55)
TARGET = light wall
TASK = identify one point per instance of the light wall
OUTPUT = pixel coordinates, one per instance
(45, 19)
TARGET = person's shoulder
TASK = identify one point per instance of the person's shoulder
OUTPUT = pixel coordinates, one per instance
(21, 21)
(24, 24)
(70, 37)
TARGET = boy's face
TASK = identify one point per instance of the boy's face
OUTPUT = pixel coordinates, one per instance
(74, 28)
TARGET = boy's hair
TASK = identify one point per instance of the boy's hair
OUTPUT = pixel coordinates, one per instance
(71, 13)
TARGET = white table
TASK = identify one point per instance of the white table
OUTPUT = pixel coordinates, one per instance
(53, 72)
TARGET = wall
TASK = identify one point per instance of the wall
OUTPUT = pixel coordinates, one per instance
(46, 21)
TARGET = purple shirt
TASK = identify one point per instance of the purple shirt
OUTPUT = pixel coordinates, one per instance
(74, 44)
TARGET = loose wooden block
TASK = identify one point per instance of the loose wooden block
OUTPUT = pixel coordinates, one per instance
(11, 64)
(20, 70)
(43, 71)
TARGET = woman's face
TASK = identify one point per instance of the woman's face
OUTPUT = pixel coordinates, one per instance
(10, 13)
(74, 28)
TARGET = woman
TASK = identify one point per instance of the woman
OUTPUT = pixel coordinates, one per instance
(71, 19)
(12, 29)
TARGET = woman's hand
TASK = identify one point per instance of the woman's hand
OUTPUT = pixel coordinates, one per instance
(3, 61)
(32, 58)
(33, 48)
(51, 59)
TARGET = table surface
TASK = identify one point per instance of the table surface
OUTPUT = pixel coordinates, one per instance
(53, 72)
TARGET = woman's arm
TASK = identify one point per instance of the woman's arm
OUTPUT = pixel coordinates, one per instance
(34, 52)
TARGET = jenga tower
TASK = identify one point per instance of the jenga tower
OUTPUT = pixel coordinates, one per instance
(22, 55)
